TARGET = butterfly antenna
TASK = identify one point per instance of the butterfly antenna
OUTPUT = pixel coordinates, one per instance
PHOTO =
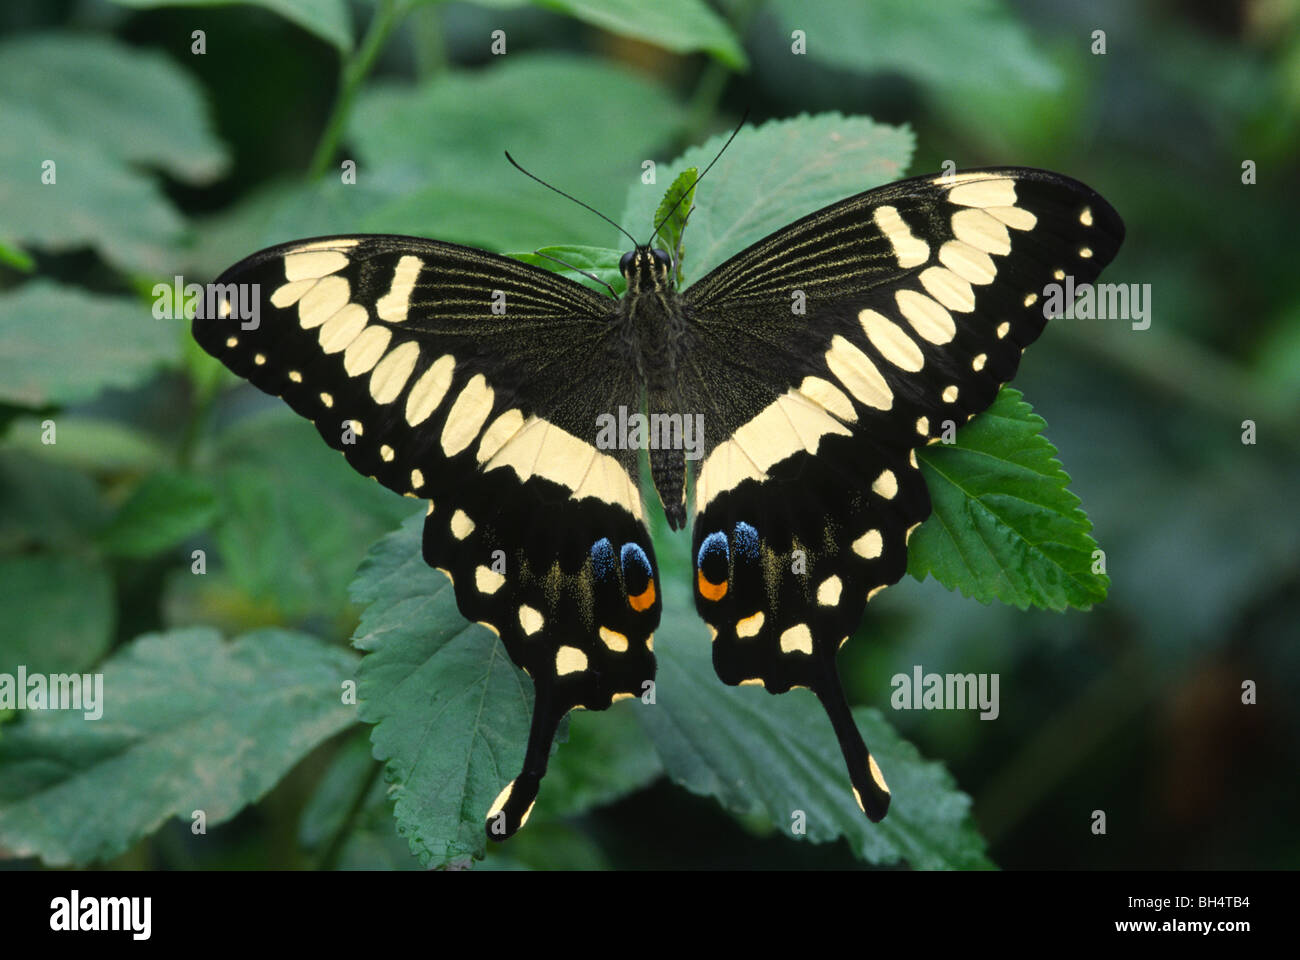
(687, 193)
(567, 196)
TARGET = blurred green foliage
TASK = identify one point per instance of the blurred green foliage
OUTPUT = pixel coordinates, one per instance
(171, 162)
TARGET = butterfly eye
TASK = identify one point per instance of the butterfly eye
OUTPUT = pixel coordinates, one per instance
(637, 577)
(661, 258)
(712, 566)
(625, 264)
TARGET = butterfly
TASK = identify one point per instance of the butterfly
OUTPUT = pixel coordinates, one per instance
(815, 361)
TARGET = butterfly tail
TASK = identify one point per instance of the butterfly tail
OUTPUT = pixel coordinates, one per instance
(513, 804)
(869, 787)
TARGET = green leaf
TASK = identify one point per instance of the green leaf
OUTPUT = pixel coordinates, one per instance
(328, 19)
(606, 757)
(451, 712)
(956, 46)
(116, 342)
(601, 261)
(1004, 526)
(45, 504)
(161, 512)
(765, 755)
(295, 519)
(674, 212)
(87, 443)
(59, 611)
(682, 26)
(774, 174)
(429, 143)
(90, 89)
(189, 722)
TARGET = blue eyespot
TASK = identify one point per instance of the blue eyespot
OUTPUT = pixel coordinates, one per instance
(713, 548)
(636, 565)
(602, 558)
(746, 541)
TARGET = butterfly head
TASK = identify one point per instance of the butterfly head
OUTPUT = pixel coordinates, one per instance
(646, 269)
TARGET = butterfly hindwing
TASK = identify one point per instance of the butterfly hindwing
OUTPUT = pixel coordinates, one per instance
(821, 356)
(446, 373)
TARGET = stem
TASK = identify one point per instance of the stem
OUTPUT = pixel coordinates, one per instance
(387, 15)
(713, 79)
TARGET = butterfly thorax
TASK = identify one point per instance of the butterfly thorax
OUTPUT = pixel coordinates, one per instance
(652, 320)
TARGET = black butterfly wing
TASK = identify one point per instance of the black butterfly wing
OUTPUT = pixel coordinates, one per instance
(472, 381)
(821, 357)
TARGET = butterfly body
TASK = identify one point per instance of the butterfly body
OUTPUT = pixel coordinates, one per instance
(816, 361)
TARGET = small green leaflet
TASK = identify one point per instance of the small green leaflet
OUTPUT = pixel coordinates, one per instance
(670, 234)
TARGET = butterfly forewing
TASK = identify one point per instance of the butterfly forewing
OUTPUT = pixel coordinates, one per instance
(821, 357)
(448, 374)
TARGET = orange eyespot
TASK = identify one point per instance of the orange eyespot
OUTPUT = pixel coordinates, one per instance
(710, 591)
(643, 600)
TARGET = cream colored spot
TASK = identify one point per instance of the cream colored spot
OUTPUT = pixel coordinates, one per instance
(1058, 274)
(1085, 252)
(530, 619)
(290, 293)
(364, 352)
(949, 289)
(467, 415)
(1031, 299)
(489, 626)
(498, 432)
(798, 639)
(1017, 218)
(417, 479)
(830, 397)
(542, 449)
(330, 243)
(393, 305)
(876, 775)
(753, 682)
(461, 525)
(828, 592)
(650, 643)
(911, 458)
(429, 512)
(885, 485)
(260, 359)
(908, 248)
(327, 399)
(502, 799)
(908, 535)
(923, 426)
(927, 318)
(854, 369)
(713, 632)
(875, 591)
(311, 265)
(614, 640)
(621, 696)
(224, 309)
(386, 453)
(892, 343)
(342, 328)
(428, 391)
(295, 376)
(750, 625)
(569, 660)
(981, 231)
(1085, 216)
(950, 393)
(789, 424)
(977, 364)
(232, 342)
(993, 192)
(869, 545)
(1003, 329)
(322, 301)
(967, 262)
(858, 797)
(392, 372)
(487, 580)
